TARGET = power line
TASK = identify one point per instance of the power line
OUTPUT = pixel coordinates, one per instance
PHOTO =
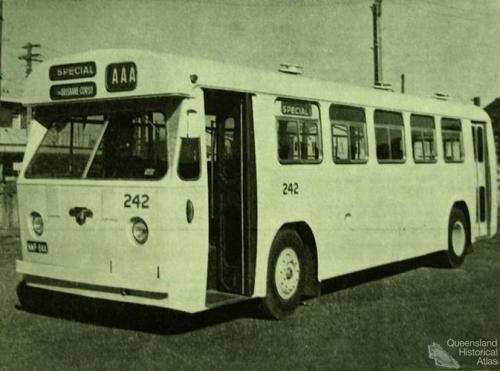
(467, 11)
(269, 3)
(468, 15)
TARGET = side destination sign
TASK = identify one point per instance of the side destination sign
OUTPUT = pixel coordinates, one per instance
(72, 91)
(72, 71)
(295, 108)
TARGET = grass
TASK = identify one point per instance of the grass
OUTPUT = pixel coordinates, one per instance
(381, 318)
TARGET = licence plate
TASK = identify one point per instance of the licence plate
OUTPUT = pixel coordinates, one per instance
(38, 247)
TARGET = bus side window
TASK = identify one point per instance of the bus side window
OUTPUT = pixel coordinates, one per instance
(349, 143)
(298, 131)
(389, 135)
(452, 140)
(309, 140)
(288, 140)
(423, 138)
(189, 159)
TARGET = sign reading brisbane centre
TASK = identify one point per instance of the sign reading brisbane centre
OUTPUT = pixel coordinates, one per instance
(72, 91)
(72, 71)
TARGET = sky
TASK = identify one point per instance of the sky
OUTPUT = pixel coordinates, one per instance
(448, 46)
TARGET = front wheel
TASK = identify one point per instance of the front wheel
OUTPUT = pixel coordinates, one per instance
(285, 275)
(28, 297)
(458, 239)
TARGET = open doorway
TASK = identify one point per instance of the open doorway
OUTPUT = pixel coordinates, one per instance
(232, 191)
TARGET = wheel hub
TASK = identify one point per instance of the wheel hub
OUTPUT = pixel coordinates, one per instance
(458, 238)
(287, 273)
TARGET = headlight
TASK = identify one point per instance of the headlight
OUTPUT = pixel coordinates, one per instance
(140, 230)
(37, 223)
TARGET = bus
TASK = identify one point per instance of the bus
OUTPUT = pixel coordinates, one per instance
(188, 184)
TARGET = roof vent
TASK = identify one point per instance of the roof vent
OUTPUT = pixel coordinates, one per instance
(441, 96)
(291, 69)
(383, 86)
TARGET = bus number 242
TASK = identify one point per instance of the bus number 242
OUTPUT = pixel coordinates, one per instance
(291, 188)
(139, 201)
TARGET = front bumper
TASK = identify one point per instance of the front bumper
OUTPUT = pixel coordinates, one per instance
(93, 278)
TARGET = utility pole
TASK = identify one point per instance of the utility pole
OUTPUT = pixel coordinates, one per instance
(30, 57)
(377, 42)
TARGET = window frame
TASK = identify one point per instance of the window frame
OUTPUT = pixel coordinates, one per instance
(348, 125)
(422, 131)
(299, 121)
(460, 136)
(388, 128)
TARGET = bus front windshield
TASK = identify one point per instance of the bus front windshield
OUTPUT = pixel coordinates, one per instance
(116, 140)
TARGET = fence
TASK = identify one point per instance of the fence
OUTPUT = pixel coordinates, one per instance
(8, 207)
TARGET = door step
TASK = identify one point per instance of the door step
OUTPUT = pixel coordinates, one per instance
(216, 298)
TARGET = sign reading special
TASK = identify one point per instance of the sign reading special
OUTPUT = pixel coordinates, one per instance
(289, 107)
(121, 76)
(73, 91)
(72, 71)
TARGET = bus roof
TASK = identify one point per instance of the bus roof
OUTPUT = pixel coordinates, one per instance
(119, 73)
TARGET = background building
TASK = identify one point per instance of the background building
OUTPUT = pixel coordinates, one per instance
(13, 135)
(493, 110)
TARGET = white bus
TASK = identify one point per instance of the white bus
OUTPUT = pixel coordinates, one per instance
(187, 184)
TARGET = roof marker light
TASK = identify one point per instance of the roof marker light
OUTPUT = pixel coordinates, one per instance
(291, 69)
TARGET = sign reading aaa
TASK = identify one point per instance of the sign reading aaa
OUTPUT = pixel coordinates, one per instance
(121, 77)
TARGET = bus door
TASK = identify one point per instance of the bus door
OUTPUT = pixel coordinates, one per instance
(232, 190)
(483, 186)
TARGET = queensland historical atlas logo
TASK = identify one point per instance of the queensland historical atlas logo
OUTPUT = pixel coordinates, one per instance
(481, 352)
(441, 357)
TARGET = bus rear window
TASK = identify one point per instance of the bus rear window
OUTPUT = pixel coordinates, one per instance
(127, 144)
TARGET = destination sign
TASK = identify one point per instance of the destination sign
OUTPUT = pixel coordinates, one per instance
(121, 76)
(296, 108)
(72, 71)
(72, 91)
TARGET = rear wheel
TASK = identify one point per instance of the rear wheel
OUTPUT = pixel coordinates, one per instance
(285, 275)
(458, 239)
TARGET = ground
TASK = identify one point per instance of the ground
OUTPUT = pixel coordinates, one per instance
(382, 318)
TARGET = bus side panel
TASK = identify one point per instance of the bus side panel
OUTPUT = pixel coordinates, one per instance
(361, 215)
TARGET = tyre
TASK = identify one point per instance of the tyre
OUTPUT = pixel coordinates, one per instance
(458, 239)
(27, 296)
(285, 275)
(33, 299)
